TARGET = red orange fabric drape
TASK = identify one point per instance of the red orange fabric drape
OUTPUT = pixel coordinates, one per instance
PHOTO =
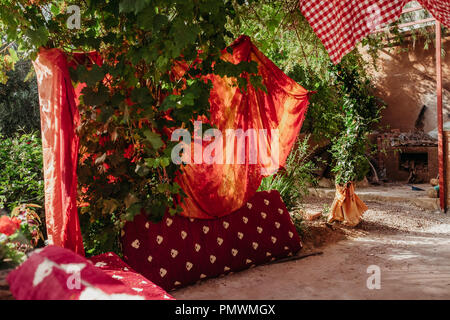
(59, 118)
(213, 190)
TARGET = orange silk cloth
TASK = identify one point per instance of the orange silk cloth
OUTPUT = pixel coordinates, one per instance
(347, 207)
(214, 190)
(59, 119)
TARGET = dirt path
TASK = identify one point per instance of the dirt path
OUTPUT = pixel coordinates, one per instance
(410, 246)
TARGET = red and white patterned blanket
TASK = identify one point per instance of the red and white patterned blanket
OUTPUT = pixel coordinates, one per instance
(55, 273)
(341, 24)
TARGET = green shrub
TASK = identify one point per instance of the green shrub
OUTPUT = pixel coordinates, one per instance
(21, 174)
(293, 180)
(100, 235)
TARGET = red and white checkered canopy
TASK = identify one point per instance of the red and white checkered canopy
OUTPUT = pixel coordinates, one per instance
(340, 24)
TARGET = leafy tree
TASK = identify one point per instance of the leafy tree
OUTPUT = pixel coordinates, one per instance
(134, 95)
(19, 103)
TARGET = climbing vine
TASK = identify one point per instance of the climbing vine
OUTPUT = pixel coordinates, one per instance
(361, 110)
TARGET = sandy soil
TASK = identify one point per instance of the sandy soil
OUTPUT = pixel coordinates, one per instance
(411, 247)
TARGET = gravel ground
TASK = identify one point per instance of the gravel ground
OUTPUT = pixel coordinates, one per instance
(411, 247)
(392, 218)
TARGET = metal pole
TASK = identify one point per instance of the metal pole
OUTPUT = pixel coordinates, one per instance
(442, 178)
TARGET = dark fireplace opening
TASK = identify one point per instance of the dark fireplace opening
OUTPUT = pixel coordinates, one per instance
(416, 164)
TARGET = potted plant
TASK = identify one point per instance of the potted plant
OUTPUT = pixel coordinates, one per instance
(348, 151)
(350, 148)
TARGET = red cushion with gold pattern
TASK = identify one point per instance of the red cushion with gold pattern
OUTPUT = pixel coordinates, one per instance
(179, 251)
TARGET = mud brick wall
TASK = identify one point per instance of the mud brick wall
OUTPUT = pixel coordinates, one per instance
(391, 161)
(447, 165)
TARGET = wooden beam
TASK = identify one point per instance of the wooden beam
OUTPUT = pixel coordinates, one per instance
(412, 9)
(407, 24)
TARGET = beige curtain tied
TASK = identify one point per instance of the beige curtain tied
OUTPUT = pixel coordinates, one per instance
(347, 207)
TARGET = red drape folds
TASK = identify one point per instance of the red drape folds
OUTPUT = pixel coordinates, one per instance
(215, 190)
(59, 118)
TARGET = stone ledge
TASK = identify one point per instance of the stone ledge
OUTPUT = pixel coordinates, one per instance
(396, 193)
